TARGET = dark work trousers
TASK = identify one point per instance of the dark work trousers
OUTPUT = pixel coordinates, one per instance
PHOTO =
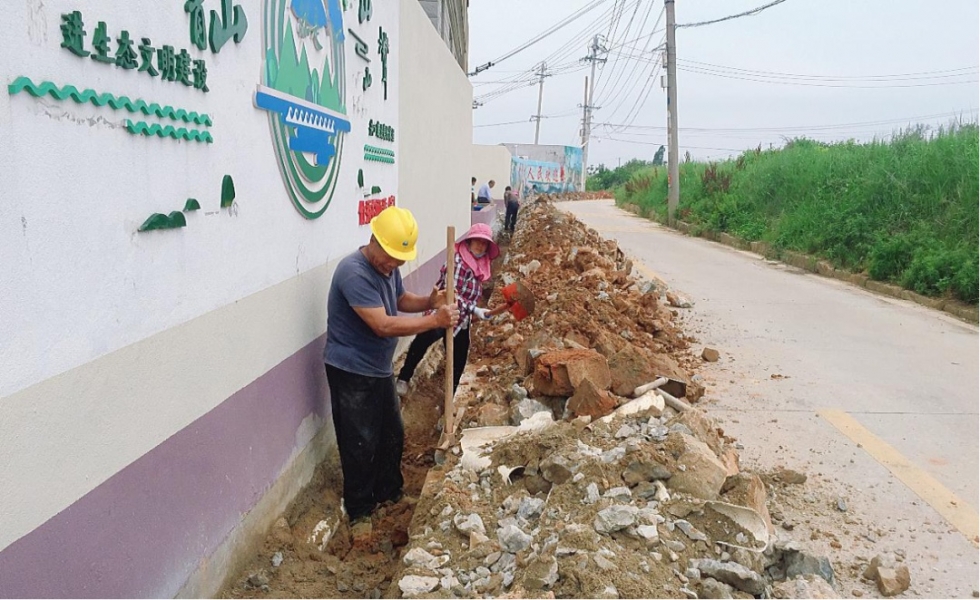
(510, 218)
(370, 436)
(421, 343)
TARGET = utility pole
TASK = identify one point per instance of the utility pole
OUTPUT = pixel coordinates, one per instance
(585, 120)
(673, 173)
(593, 57)
(537, 126)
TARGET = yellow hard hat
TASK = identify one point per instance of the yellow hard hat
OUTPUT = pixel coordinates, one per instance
(396, 230)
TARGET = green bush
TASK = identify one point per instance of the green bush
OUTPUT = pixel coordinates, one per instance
(890, 257)
(936, 270)
(601, 178)
(906, 210)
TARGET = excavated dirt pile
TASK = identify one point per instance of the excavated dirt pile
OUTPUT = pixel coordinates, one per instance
(597, 333)
(566, 485)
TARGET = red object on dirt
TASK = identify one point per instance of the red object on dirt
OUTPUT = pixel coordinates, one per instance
(519, 299)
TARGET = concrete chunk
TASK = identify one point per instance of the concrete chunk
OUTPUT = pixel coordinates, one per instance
(469, 524)
(417, 557)
(703, 474)
(893, 581)
(615, 518)
(414, 585)
(556, 469)
(890, 578)
(733, 574)
(513, 539)
(801, 563)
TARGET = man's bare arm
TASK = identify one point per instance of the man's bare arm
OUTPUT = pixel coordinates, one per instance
(384, 325)
(409, 302)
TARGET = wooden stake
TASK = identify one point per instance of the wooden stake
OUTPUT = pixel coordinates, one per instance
(450, 428)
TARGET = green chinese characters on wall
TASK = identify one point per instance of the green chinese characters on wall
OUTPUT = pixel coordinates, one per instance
(231, 24)
(383, 50)
(381, 131)
(164, 62)
(365, 10)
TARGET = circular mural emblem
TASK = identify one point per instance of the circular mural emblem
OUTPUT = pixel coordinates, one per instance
(302, 88)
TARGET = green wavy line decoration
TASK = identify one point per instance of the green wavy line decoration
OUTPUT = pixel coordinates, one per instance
(382, 159)
(376, 150)
(22, 84)
(144, 128)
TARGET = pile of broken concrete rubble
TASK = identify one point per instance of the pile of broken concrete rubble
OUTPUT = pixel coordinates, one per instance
(573, 478)
(638, 505)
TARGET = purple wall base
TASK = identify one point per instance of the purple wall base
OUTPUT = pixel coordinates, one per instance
(142, 532)
(487, 214)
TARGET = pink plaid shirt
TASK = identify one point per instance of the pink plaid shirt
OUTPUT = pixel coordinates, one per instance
(468, 291)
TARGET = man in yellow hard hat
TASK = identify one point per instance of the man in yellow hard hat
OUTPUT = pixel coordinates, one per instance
(363, 325)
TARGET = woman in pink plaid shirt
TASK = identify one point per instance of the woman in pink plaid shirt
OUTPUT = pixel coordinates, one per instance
(474, 253)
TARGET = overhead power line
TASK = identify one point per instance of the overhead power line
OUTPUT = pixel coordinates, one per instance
(558, 116)
(610, 85)
(960, 71)
(556, 27)
(884, 84)
(636, 39)
(499, 124)
(565, 52)
(747, 13)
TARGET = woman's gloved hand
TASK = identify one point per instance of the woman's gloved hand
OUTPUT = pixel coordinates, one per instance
(482, 313)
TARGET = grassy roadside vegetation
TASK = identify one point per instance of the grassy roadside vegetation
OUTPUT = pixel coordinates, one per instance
(904, 211)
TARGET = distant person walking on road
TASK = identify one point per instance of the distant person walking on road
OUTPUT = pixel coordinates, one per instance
(483, 196)
(512, 204)
(363, 326)
(474, 253)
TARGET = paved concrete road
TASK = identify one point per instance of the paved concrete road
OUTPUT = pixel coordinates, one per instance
(879, 394)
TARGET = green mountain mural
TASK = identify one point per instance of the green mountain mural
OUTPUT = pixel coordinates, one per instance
(294, 76)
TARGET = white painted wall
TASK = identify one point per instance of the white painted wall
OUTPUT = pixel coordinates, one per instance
(114, 340)
(492, 162)
(78, 281)
(542, 152)
(436, 119)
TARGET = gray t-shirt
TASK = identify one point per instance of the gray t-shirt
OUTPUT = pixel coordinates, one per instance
(351, 344)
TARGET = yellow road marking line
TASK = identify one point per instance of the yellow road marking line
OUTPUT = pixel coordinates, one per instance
(957, 512)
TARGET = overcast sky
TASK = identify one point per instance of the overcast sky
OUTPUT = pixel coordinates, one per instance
(803, 67)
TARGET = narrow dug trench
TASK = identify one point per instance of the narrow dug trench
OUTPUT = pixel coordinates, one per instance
(586, 499)
(294, 561)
